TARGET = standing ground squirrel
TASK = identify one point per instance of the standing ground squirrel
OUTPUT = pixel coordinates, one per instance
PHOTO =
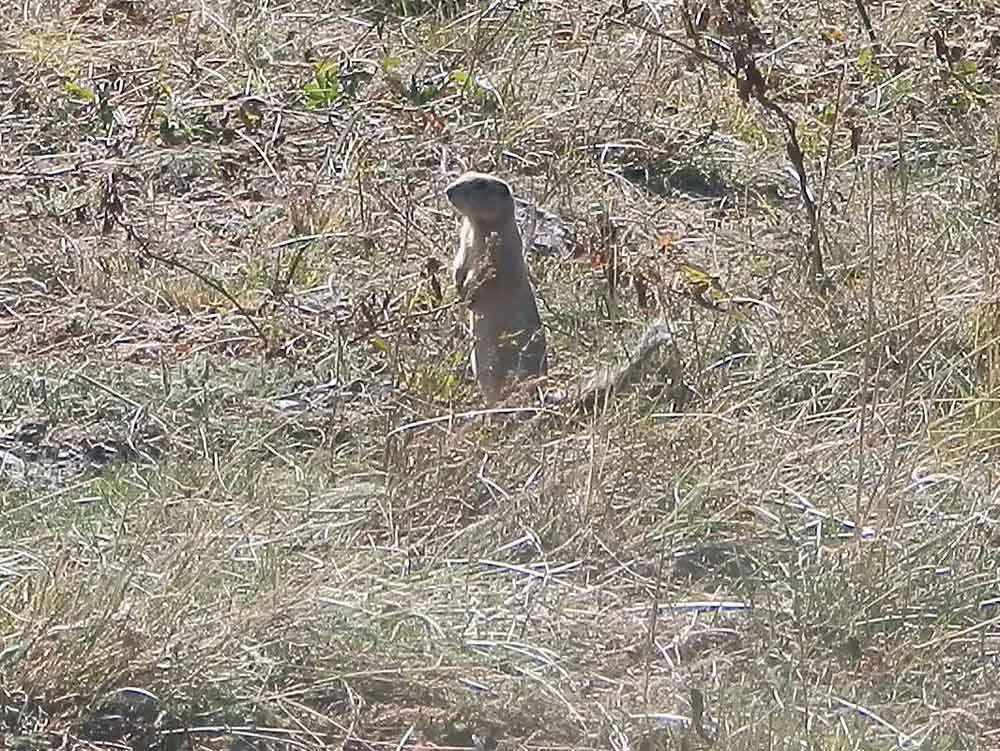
(492, 278)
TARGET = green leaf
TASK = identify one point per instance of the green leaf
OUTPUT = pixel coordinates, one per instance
(325, 89)
(965, 68)
(427, 93)
(80, 92)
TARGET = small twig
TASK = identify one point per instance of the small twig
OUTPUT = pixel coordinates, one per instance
(477, 48)
(214, 285)
(174, 263)
(403, 319)
(121, 397)
(698, 716)
(296, 259)
(754, 85)
(108, 390)
(677, 43)
(833, 134)
(651, 631)
(472, 413)
(263, 156)
(867, 22)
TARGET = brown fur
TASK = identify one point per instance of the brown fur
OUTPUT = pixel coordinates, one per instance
(492, 277)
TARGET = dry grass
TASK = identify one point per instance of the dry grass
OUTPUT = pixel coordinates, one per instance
(240, 503)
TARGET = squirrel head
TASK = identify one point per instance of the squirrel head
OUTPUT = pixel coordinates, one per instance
(484, 199)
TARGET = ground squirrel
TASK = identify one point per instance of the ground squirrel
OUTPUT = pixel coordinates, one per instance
(492, 278)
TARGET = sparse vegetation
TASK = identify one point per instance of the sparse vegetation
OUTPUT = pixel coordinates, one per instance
(247, 496)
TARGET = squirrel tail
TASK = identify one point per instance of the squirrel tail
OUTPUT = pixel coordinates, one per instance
(600, 386)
